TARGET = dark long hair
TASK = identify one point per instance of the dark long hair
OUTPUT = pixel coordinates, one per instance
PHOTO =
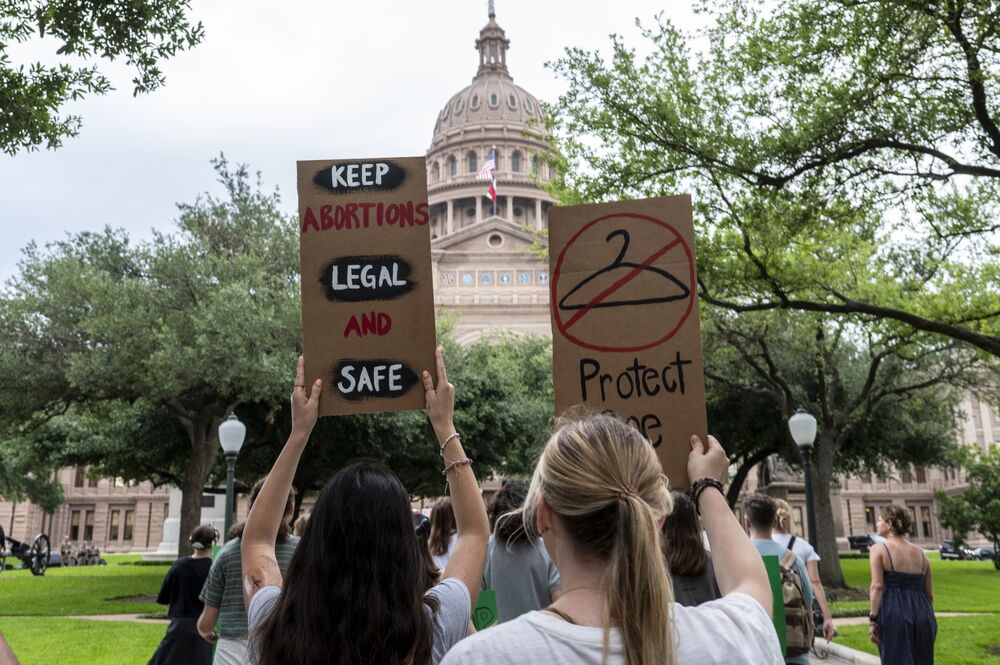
(354, 592)
(506, 516)
(685, 550)
(442, 526)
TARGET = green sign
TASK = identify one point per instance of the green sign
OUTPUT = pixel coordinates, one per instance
(485, 613)
(773, 565)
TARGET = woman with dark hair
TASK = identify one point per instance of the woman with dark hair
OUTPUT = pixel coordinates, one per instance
(441, 542)
(690, 565)
(901, 619)
(182, 645)
(518, 569)
(355, 592)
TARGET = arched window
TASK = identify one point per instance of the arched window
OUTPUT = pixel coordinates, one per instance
(494, 100)
(435, 172)
(515, 162)
(474, 102)
(473, 163)
(452, 166)
(534, 165)
(512, 101)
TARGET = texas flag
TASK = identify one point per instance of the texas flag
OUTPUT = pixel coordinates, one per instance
(489, 172)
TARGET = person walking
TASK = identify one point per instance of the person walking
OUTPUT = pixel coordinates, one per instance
(442, 539)
(782, 534)
(690, 565)
(901, 621)
(758, 513)
(182, 645)
(355, 592)
(223, 590)
(596, 498)
(518, 569)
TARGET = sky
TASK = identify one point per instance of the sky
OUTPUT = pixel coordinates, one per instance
(276, 82)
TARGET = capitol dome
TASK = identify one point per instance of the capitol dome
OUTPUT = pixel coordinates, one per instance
(486, 267)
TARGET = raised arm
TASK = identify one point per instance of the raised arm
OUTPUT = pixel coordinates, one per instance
(260, 566)
(471, 525)
(738, 566)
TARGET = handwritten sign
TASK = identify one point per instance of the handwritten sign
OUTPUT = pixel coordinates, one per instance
(626, 337)
(367, 295)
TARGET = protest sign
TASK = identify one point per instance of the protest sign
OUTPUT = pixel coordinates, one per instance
(367, 295)
(626, 337)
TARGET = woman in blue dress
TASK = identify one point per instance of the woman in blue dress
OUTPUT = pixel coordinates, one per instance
(902, 620)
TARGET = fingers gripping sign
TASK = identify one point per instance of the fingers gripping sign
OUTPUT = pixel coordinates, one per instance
(305, 405)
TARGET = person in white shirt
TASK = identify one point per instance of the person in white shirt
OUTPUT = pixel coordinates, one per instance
(781, 535)
(597, 498)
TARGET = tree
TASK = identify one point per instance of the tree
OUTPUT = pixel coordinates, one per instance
(982, 472)
(956, 514)
(878, 399)
(184, 327)
(142, 32)
(844, 156)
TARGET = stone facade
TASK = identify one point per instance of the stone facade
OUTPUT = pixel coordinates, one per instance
(113, 515)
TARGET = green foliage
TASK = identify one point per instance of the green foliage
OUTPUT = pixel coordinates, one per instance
(843, 157)
(142, 32)
(982, 473)
(956, 514)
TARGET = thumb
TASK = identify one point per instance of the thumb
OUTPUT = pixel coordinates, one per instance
(697, 446)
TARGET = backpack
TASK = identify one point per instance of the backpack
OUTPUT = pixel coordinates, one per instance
(800, 627)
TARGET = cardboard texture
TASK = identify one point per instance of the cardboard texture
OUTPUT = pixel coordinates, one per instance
(367, 291)
(625, 331)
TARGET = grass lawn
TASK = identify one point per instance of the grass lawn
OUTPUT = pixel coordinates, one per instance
(960, 640)
(82, 589)
(959, 586)
(43, 641)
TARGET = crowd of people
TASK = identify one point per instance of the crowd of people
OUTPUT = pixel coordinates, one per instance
(594, 561)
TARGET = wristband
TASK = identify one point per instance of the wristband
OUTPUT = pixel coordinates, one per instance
(455, 464)
(453, 435)
(698, 486)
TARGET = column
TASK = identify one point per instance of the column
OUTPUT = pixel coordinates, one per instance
(451, 216)
(510, 209)
(479, 208)
(538, 214)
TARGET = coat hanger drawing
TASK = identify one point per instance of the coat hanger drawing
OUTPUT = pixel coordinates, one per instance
(685, 291)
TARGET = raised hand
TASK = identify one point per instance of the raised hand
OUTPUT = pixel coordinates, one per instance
(707, 461)
(305, 405)
(440, 399)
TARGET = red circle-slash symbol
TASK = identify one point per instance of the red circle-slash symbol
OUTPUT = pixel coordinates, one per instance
(666, 296)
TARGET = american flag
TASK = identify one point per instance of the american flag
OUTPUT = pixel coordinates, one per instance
(489, 172)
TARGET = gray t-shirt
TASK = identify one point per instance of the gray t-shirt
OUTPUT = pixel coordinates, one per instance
(522, 575)
(734, 630)
(448, 625)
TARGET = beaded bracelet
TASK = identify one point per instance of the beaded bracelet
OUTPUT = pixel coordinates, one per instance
(453, 435)
(698, 486)
(451, 465)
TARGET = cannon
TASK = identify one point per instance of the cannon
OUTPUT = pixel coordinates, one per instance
(34, 556)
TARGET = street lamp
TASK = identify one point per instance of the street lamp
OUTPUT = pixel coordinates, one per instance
(802, 425)
(231, 435)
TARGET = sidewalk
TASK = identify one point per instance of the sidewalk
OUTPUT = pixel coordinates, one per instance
(841, 655)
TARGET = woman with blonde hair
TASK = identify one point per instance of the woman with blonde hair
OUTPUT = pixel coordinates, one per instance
(782, 534)
(597, 498)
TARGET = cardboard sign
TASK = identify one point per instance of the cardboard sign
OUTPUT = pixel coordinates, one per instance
(367, 291)
(625, 332)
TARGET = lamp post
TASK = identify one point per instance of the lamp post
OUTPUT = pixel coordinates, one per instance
(802, 425)
(231, 435)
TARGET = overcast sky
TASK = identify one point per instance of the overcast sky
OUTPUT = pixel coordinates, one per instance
(274, 82)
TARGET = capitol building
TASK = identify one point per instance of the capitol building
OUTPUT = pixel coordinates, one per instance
(486, 273)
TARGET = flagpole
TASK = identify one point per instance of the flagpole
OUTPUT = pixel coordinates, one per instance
(494, 180)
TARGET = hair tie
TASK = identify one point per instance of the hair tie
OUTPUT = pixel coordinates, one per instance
(625, 491)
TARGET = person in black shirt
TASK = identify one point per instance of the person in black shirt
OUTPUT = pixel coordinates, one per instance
(182, 645)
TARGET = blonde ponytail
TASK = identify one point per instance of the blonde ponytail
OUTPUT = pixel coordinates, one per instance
(604, 481)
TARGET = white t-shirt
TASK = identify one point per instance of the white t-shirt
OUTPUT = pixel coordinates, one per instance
(734, 630)
(441, 560)
(801, 547)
